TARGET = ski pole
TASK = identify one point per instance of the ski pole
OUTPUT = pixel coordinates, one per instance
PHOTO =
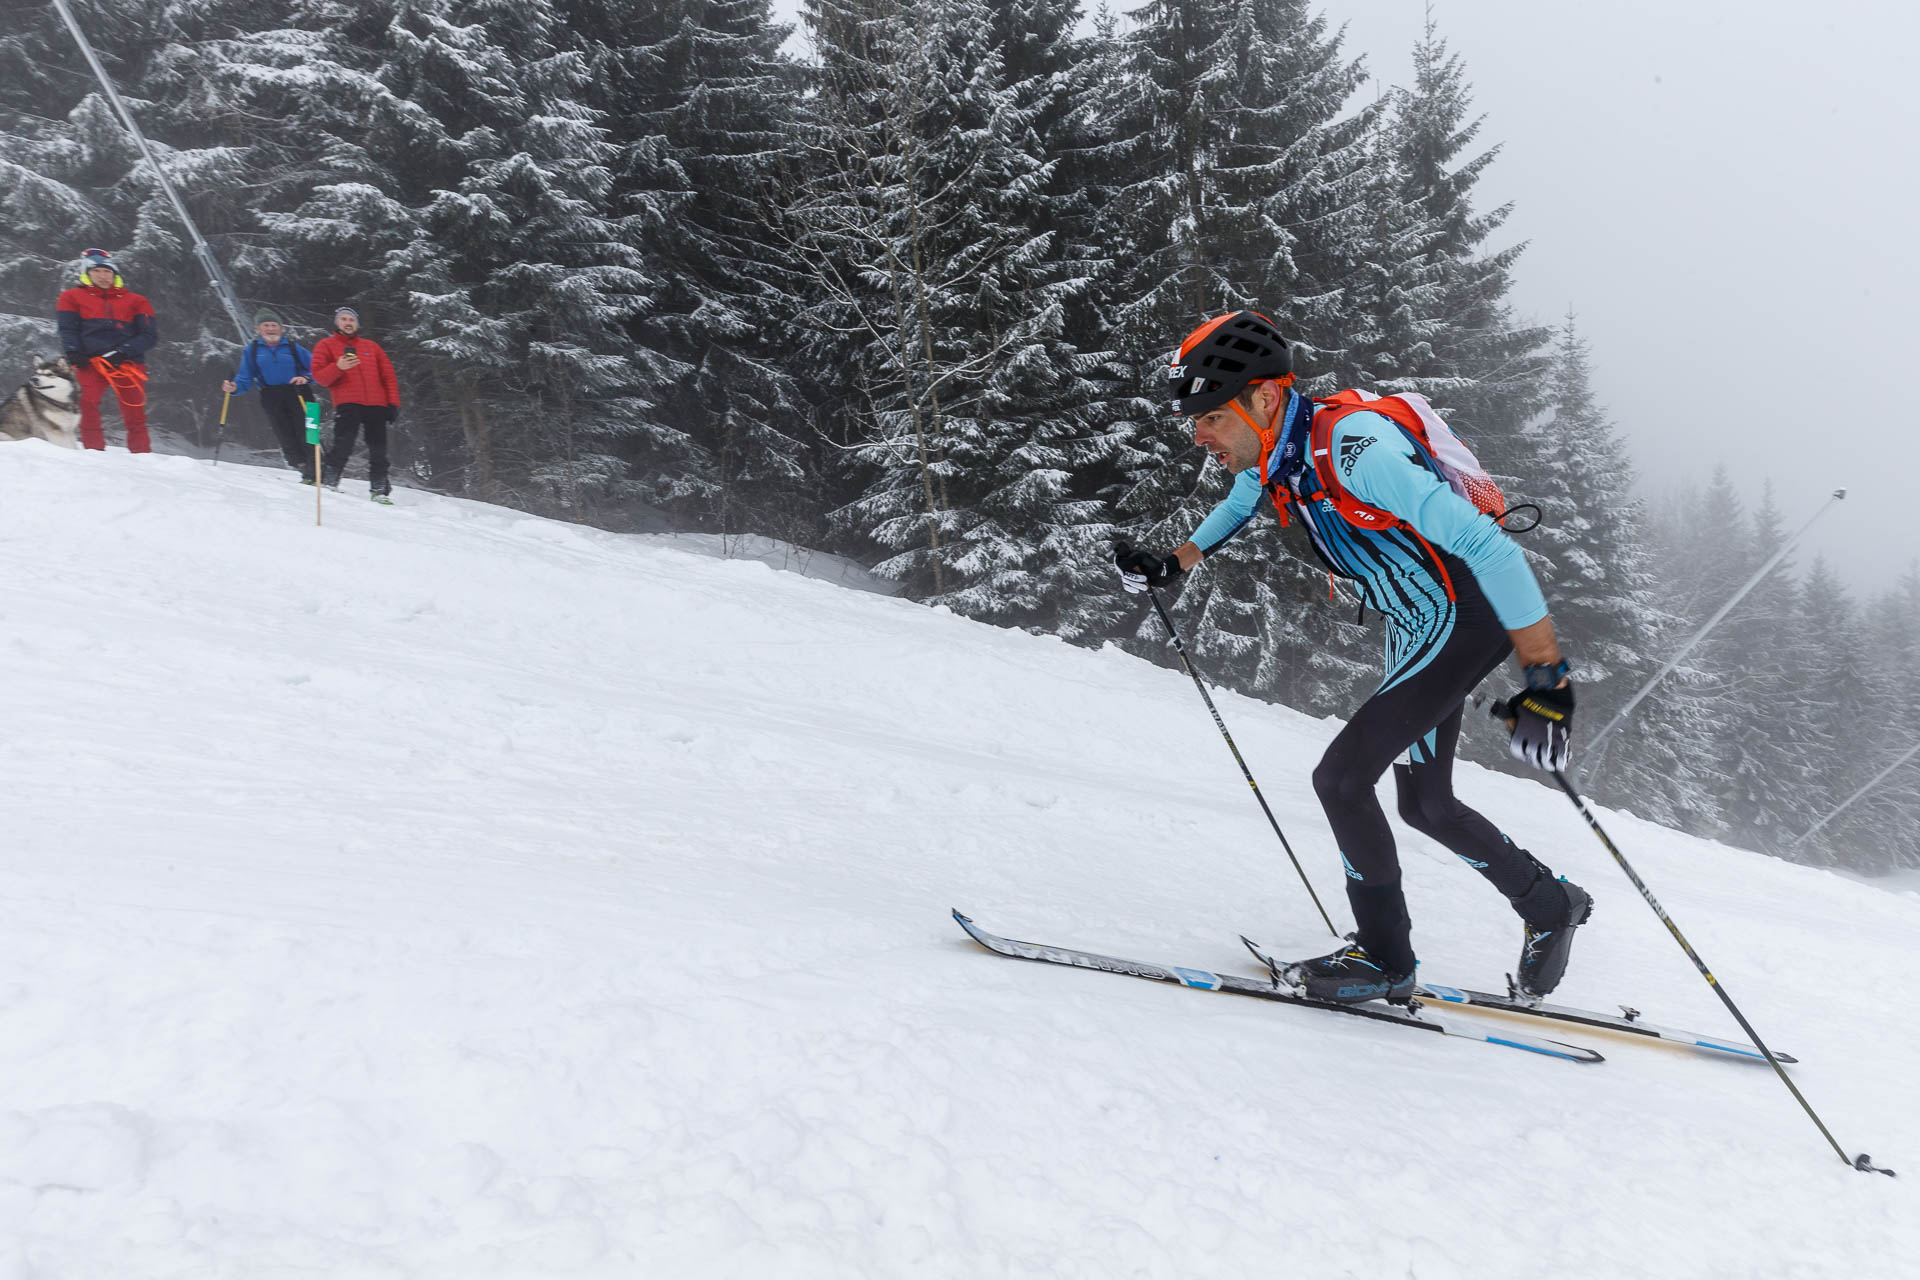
(1220, 724)
(1860, 1162)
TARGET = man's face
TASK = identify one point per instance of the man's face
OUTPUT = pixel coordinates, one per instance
(347, 325)
(1226, 435)
(102, 277)
(269, 331)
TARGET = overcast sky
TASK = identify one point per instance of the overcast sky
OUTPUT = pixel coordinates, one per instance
(1725, 191)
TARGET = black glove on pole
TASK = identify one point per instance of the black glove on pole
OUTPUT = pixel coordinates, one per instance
(1860, 1162)
(1542, 725)
(1142, 569)
(1121, 552)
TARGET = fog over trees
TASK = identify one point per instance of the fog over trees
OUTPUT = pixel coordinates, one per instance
(911, 301)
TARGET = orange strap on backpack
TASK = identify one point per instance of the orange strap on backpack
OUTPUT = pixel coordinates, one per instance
(123, 378)
(1351, 509)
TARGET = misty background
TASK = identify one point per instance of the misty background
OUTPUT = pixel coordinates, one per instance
(1724, 194)
(905, 293)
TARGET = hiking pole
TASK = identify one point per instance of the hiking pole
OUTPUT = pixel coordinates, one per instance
(1860, 1162)
(226, 398)
(1220, 724)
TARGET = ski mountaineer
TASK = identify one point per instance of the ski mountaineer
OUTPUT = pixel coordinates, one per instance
(103, 320)
(1457, 596)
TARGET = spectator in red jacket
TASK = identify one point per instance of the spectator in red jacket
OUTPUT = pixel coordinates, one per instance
(366, 397)
(102, 319)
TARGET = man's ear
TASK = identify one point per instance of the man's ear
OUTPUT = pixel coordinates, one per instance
(1266, 398)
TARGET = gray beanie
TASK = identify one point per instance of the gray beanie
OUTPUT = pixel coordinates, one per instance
(345, 311)
(265, 315)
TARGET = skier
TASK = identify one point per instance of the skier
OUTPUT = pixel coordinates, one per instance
(1458, 597)
(283, 370)
(366, 396)
(101, 319)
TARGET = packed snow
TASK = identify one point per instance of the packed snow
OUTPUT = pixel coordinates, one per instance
(447, 892)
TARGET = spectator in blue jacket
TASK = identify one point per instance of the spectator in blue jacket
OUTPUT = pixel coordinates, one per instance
(282, 369)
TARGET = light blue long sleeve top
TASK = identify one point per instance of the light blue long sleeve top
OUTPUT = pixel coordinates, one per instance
(1382, 467)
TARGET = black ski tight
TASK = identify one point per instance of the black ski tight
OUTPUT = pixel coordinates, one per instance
(1421, 712)
(348, 421)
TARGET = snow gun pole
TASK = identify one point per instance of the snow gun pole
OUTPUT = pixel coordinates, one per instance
(222, 288)
(1593, 747)
(1874, 782)
(1221, 725)
(1860, 1162)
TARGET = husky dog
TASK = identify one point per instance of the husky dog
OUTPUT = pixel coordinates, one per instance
(45, 407)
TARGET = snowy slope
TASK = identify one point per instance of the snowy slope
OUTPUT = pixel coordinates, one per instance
(447, 892)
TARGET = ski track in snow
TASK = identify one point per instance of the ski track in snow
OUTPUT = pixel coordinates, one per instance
(451, 892)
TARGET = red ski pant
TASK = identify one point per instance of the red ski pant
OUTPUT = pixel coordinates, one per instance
(92, 387)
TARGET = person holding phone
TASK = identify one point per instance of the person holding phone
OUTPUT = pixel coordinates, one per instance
(366, 397)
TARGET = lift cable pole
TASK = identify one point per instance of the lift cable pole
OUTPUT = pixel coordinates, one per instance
(1593, 747)
(1874, 782)
(201, 250)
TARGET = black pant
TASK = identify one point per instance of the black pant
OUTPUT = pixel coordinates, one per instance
(1420, 714)
(289, 422)
(348, 421)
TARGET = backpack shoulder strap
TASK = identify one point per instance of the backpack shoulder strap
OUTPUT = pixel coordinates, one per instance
(1319, 451)
(1351, 509)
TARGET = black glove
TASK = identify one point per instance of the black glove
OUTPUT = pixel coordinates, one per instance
(1142, 569)
(112, 357)
(1541, 722)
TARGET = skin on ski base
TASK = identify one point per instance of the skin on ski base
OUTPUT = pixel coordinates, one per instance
(1206, 980)
(1490, 1002)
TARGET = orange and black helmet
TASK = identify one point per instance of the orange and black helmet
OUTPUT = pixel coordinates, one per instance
(1222, 357)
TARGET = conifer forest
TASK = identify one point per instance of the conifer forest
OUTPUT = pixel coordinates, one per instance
(906, 291)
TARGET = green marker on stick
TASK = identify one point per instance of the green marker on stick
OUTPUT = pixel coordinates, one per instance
(312, 409)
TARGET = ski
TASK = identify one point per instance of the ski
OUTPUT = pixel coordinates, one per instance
(1234, 984)
(1627, 1020)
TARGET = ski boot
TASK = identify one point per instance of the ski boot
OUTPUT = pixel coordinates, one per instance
(381, 498)
(1346, 976)
(1545, 952)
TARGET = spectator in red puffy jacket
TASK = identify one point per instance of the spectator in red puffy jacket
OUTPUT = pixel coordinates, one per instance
(366, 396)
(101, 318)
